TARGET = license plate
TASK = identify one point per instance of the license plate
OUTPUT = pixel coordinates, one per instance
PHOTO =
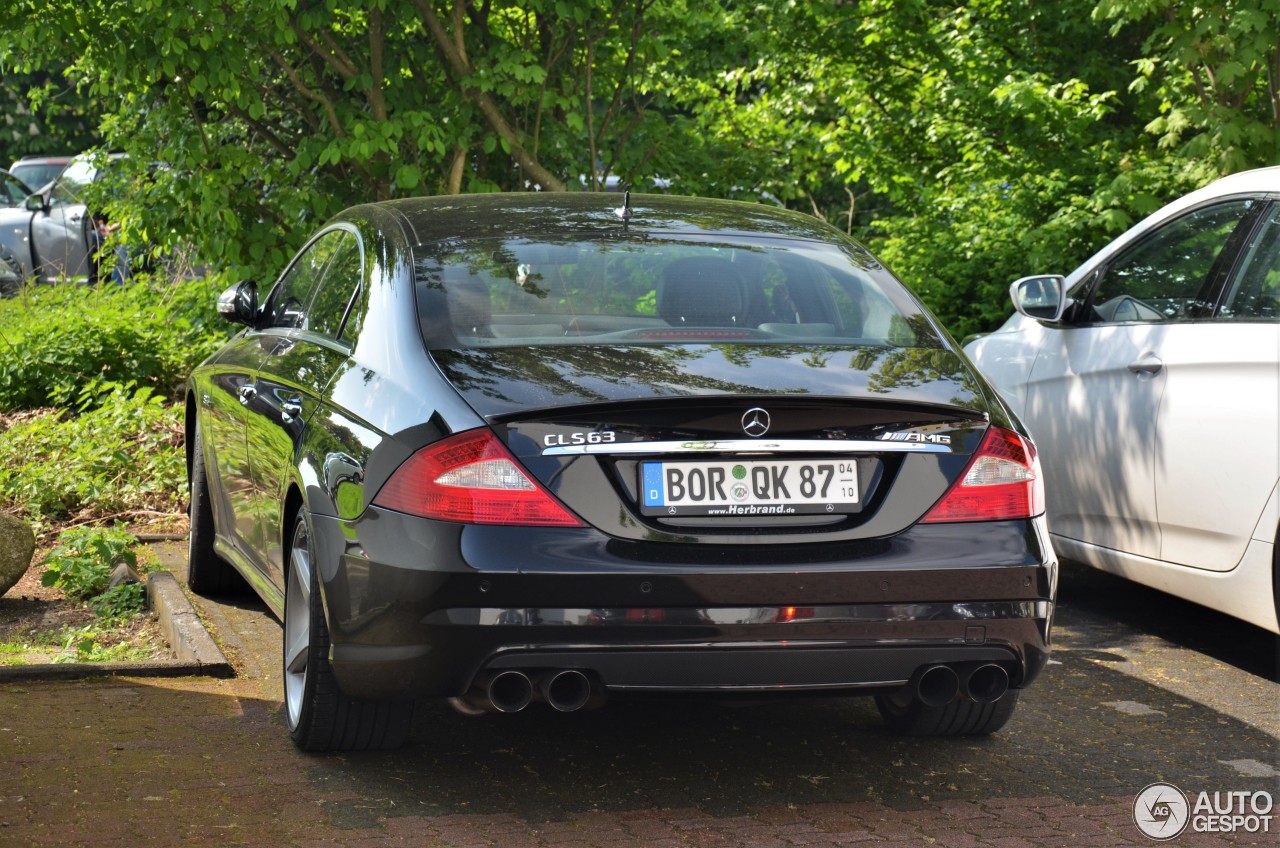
(746, 489)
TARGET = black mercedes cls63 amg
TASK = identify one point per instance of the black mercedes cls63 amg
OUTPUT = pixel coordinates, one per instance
(531, 448)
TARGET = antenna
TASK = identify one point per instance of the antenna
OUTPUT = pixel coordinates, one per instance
(624, 211)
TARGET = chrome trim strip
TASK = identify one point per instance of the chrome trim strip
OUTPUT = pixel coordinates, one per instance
(745, 446)
(750, 687)
(739, 616)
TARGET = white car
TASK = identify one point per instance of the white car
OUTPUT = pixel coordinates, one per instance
(1150, 380)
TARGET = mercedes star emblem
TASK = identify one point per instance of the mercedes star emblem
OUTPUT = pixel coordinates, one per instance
(755, 422)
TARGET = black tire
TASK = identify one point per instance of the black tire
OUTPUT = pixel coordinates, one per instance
(207, 573)
(1275, 578)
(10, 275)
(959, 717)
(320, 716)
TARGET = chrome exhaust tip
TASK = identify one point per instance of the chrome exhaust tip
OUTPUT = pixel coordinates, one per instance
(566, 691)
(985, 684)
(509, 691)
(937, 685)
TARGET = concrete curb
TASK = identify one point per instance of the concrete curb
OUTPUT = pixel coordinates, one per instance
(188, 638)
(195, 652)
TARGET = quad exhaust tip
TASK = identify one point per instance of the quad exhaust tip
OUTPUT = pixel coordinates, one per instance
(566, 691)
(937, 685)
(511, 690)
(985, 684)
(982, 683)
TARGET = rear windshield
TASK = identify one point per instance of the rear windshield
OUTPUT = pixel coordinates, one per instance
(659, 290)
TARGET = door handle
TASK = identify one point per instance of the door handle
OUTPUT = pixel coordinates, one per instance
(247, 393)
(291, 409)
(1149, 364)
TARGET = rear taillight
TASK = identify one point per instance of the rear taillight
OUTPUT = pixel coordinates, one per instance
(471, 478)
(1002, 482)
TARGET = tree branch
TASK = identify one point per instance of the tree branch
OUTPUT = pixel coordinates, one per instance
(488, 107)
(456, 169)
(333, 56)
(308, 93)
(377, 100)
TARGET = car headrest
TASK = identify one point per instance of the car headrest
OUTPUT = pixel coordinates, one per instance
(702, 291)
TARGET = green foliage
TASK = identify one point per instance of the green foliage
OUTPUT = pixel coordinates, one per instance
(57, 340)
(966, 141)
(44, 115)
(123, 452)
(119, 604)
(271, 115)
(1214, 69)
(82, 561)
(94, 643)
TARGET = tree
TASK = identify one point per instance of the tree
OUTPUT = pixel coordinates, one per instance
(1214, 69)
(967, 141)
(271, 115)
(44, 115)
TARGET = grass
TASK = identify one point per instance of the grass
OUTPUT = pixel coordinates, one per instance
(40, 624)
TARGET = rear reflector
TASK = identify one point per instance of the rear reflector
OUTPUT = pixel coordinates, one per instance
(1002, 482)
(471, 478)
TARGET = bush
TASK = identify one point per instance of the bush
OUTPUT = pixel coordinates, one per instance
(81, 563)
(123, 453)
(57, 339)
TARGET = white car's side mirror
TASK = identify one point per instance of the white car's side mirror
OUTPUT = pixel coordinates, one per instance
(1042, 297)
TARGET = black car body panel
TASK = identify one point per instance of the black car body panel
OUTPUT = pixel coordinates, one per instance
(319, 406)
(501, 381)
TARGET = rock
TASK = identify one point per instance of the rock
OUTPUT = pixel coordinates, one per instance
(121, 575)
(17, 547)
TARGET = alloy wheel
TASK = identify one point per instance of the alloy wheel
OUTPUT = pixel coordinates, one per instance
(297, 622)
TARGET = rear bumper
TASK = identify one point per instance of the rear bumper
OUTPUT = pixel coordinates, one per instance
(536, 601)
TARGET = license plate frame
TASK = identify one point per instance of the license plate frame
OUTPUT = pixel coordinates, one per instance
(742, 488)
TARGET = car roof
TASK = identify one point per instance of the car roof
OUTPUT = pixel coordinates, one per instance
(512, 215)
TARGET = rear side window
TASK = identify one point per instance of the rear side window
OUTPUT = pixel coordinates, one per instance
(290, 301)
(341, 279)
(647, 290)
(1255, 293)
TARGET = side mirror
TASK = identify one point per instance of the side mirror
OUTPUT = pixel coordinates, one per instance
(1041, 297)
(35, 203)
(239, 304)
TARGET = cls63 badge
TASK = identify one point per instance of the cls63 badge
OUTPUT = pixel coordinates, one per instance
(556, 440)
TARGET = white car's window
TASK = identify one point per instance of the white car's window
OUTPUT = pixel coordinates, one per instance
(12, 193)
(1255, 294)
(1172, 274)
(71, 185)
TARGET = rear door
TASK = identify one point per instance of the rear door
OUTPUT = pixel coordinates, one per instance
(1216, 456)
(305, 315)
(1096, 390)
(63, 235)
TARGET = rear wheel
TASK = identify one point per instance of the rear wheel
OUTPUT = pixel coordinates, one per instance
(10, 275)
(1275, 578)
(207, 573)
(320, 716)
(958, 717)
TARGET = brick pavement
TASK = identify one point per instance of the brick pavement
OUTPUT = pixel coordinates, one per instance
(207, 762)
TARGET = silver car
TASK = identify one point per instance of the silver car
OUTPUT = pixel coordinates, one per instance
(1150, 380)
